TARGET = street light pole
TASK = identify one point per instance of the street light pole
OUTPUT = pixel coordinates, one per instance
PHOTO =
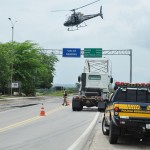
(11, 78)
(13, 24)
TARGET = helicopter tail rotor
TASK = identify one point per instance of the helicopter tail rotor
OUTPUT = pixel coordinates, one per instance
(101, 14)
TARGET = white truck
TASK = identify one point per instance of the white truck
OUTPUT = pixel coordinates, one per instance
(95, 84)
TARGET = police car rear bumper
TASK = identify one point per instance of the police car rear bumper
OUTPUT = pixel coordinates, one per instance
(140, 126)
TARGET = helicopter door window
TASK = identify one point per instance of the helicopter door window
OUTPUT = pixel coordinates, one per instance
(72, 18)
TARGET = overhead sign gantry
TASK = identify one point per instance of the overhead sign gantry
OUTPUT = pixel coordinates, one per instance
(127, 52)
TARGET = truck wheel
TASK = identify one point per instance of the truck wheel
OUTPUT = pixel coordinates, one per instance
(76, 105)
(78, 109)
(112, 137)
(81, 107)
(104, 127)
(101, 106)
(146, 138)
(101, 110)
(73, 108)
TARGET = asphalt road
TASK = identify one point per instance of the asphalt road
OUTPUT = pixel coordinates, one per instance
(22, 128)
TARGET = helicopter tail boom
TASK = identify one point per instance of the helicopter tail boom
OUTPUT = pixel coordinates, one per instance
(101, 15)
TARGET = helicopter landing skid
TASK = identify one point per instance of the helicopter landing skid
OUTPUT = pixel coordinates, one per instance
(77, 27)
(72, 29)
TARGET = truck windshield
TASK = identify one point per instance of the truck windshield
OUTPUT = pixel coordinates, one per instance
(132, 95)
(94, 77)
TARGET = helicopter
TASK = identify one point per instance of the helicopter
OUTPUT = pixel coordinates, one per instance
(77, 18)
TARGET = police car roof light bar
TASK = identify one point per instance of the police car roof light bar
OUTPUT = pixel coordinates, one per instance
(126, 84)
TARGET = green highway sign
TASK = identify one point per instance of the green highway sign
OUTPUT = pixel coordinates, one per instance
(92, 52)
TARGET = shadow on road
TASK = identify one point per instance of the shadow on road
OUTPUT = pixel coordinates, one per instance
(90, 109)
(132, 141)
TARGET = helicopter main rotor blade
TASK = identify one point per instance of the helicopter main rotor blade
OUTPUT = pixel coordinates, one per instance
(84, 5)
(59, 10)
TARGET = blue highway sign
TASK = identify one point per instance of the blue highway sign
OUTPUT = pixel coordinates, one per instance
(71, 52)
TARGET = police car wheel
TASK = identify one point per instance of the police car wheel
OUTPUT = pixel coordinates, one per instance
(112, 137)
(104, 129)
(81, 107)
(146, 138)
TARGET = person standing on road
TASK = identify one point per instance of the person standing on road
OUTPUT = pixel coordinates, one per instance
(65, 98)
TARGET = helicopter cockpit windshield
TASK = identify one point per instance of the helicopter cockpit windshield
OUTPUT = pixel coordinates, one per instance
(68, 21)
(74, 19)
(69, 18)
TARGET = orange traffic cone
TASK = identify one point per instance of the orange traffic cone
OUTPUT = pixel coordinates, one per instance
(67, 102)
(42, 113)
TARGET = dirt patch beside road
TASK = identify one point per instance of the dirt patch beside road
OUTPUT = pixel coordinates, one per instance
(11, 103)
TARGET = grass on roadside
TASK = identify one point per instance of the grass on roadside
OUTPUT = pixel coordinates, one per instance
(55, 93)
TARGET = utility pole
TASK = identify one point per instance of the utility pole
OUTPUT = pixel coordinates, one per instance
(12, 40)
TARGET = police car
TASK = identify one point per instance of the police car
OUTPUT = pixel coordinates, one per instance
(127, 112)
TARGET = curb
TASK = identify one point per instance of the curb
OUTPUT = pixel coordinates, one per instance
(80, 143)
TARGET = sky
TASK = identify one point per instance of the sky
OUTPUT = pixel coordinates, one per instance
(126, 25)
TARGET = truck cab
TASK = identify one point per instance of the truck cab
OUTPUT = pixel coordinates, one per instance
(94, 82)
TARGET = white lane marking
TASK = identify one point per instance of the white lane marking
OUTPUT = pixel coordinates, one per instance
(83, 137)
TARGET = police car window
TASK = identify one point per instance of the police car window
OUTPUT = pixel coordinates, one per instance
(141, 95)
(121, 96)
(131, 95)
(126, 95)
(148, 96)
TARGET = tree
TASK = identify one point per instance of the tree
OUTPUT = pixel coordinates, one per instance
(27, 64)
(5, 67)
(46, 77)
